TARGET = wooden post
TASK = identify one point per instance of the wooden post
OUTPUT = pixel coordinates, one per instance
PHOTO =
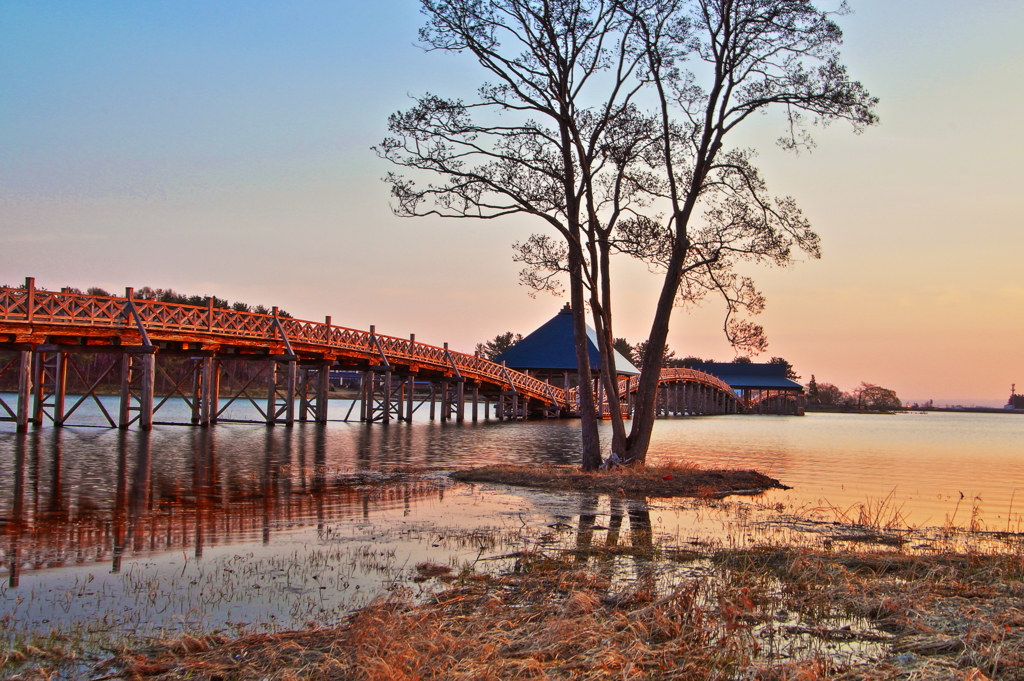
(197, 392)
(302, 390)
(289, 394)
(271, 393)
(460, 415)
(206, 394)
(400, 398)
(38, 387)
(214, 392)
(362, 396)
(124, 406)
(209, 313)
(410, 387)
(323, 387)
(30, 299)
(515, 406)
(148, 377)
(24, 389)
(433, 398)
(476, 399)
(386, 406)
(60, 385)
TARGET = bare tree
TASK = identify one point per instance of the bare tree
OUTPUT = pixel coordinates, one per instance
(560, 136)
(753, 54)
(689, 206)
(871, 396)
(533, 140)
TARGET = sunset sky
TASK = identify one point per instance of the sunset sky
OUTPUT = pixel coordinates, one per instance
(224, 148)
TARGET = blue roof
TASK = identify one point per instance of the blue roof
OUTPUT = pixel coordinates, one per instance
(552, 347)
(753, 376)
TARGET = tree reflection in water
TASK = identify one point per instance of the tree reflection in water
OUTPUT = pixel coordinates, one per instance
(640, 533)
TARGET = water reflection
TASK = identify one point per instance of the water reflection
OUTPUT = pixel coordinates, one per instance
(640, 535)
(75, 499)
(78, 495)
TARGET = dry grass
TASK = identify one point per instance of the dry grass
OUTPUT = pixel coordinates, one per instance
(766, 615)
(677, 480)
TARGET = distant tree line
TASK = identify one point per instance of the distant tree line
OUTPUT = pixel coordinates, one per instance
(167, 295)
(865, 396)
(490, 350)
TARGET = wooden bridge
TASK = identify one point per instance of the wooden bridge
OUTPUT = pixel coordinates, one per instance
(688, 392)
(46, 331)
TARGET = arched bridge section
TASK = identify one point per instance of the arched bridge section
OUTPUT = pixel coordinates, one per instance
(688, 392)
(47, 330)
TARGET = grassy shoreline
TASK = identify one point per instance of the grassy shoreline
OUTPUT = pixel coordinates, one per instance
(865, 599)
(769, 614)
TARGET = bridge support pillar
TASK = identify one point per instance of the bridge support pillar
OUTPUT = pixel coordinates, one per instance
(476, 399)
(385, 401)
(138, 374)
(322, 392)
(271, 413)
(24, 390)
(410, 389)
(48, 387)
(281, 393)
(289, 393)
(38, 389)
(60, 386)
(204, 392)
(365, 386)
(148, 378)
(313, 391)
(453, 400)
(383, 397)
(508, 406)
(213, 396)
(460, 402)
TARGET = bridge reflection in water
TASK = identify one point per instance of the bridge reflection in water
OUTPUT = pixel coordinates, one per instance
(118, 498)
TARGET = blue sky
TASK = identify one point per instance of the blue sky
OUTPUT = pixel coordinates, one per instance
(224, 148)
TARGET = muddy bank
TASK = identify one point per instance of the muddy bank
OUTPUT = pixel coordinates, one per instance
(663, 481)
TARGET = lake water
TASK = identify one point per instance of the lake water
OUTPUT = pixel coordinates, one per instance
(244, 526)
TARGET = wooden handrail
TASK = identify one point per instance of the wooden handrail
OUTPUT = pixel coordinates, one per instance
(32, 306)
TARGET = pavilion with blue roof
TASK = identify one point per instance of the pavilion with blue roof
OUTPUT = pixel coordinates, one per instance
(763, 388)
(549, 353)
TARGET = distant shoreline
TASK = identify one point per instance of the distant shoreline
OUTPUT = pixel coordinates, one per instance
(918, 410)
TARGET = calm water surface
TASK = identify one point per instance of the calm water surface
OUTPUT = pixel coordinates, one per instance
(243, 525)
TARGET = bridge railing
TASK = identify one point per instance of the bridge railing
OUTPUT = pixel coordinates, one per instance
(681, 374)
(65, 308)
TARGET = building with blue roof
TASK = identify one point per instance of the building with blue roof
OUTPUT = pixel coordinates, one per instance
(549, 353)
(763, 388)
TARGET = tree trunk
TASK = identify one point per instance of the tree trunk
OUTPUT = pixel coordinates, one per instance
(609, 374)
(588, 413)
(645, 406)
